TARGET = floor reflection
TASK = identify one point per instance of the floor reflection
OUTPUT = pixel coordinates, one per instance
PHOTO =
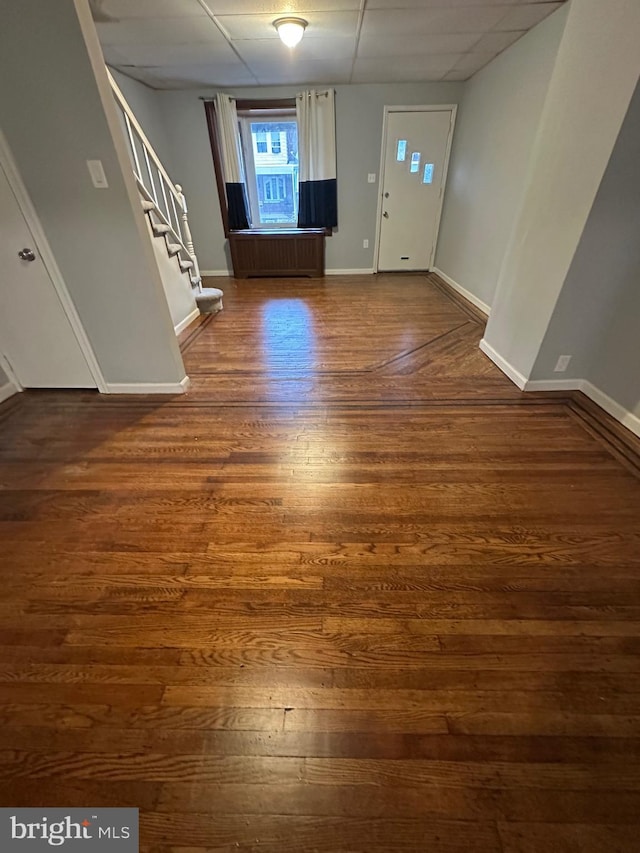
(288, 335)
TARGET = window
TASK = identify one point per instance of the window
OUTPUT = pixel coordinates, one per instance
(270, 145)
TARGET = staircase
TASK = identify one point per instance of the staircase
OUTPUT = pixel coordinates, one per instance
(165, 206)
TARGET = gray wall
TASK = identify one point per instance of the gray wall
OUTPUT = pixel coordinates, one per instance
(494, 136)
(54, 120)
(597, 317)
(359, 113)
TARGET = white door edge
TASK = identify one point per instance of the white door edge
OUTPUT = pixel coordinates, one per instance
(9, 166)
(418, 108)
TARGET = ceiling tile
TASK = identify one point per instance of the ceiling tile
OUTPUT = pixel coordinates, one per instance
(403, 69)
(123, 9)
(456, 76)
(188, 30)
(192, 76)
(497, 42)
(302, 73)
(176, 54)
(309, 50)
(525, 16)
(441, 4)
(371, 46)
(430, 21)
(277, 8)
(472, 62)
(321, 25)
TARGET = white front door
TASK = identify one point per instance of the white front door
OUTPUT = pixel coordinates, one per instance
(415, 157)
(36, 336)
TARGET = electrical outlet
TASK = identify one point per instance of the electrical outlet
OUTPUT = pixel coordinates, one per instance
(365, 244)
(371, 177)
(562, 364)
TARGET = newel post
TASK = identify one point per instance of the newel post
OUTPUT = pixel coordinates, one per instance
(188, 239)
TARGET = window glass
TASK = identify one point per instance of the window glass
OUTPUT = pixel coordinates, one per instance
(271, 165)
(415, 162)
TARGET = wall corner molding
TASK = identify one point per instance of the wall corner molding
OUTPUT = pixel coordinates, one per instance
(514, 375)
(8, 390)
(149, 387)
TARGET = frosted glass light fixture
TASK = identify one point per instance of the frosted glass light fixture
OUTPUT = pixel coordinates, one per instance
(290, 30)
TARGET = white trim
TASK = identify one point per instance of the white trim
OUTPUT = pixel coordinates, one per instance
(628, 419)
(470, 297)
(27, 209)
(225, 273)
(8, 369)
(149, 387)
(368, 271)
(553, 385)
(8, 390)
(617, 411)
(187, 320)
(418, 108)
(514, 375)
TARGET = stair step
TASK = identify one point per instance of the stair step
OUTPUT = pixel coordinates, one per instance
(147, 205)
(185, 265)
(173, 248)
(159, 229)
(209, 300)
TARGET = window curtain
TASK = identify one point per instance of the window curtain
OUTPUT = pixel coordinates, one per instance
(232, 162)
(318, 191)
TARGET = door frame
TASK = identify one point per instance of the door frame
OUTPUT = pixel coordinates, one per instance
(28, 211)
(416, 108)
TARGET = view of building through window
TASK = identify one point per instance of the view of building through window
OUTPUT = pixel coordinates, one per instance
(271, 161)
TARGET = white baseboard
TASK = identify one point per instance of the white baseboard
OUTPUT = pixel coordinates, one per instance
(470, 297)
(187, 321)
(368, 271)
(553, 385)
(226, 273)
(514, 375)
(7, 390)
(149, 387)
(616, 410)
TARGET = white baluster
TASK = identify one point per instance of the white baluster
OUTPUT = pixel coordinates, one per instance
(188, 239)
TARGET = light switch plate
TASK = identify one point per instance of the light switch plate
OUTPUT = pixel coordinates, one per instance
(371, 178)
(98, 176)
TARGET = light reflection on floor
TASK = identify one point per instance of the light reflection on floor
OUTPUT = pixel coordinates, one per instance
(288, 335)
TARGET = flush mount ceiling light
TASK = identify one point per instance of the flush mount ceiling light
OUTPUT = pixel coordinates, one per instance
(290, 30)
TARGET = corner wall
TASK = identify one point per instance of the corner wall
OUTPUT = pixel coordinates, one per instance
(55, 119)
(492, 144)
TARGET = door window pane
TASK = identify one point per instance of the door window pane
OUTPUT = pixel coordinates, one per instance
(427, 177)
(415, 162)
(401, 153)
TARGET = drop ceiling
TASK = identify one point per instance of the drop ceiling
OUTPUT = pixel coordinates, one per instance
(182, 44)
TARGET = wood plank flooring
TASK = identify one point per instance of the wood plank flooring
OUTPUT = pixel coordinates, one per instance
(354, 592)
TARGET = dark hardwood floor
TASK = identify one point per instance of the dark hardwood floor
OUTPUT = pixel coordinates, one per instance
(353, 592)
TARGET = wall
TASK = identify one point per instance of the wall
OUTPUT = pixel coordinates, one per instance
(177, 287)
(359, 114)
(145, 103)
(55, 120)
(597, 318)
(494, 136)
(594, 78)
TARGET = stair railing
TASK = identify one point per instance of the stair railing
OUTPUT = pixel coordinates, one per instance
(155, 185)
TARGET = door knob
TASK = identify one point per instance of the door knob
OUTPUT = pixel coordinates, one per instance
(386, 215)
(27, 255)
